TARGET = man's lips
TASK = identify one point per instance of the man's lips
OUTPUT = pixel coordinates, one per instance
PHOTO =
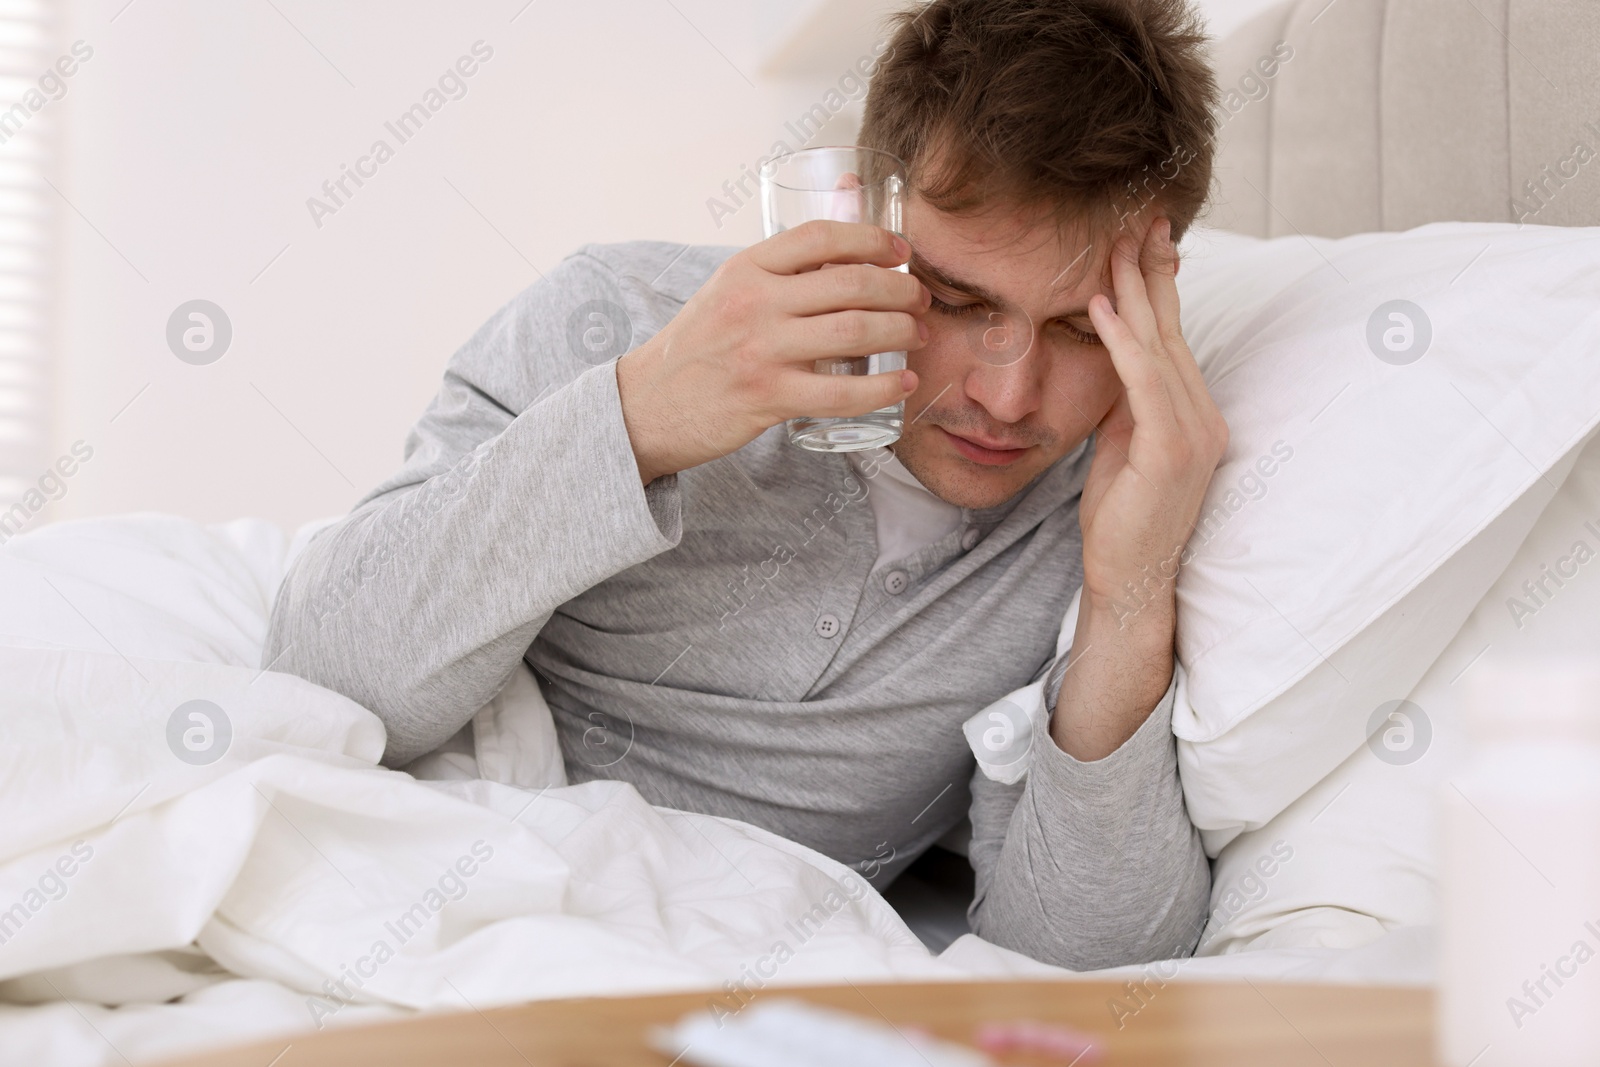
(980, 452)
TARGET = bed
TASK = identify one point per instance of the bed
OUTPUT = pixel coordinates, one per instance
(287, 883)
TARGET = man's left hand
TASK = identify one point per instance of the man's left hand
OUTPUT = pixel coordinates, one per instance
(1157, 449)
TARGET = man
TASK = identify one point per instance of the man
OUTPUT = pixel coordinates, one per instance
(741, 627)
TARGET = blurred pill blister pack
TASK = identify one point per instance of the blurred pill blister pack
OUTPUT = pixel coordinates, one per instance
(792, 1033)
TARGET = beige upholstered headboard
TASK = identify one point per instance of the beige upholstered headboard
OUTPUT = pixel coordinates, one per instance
(1394, 113)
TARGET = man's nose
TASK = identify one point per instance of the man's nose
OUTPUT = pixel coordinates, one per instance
(1004, 376)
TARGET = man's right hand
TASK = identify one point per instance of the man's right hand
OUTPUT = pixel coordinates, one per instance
(738, 359)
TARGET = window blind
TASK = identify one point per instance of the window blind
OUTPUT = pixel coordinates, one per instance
(27, 219)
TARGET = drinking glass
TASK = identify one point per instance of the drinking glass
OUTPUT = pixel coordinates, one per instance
(845, 184)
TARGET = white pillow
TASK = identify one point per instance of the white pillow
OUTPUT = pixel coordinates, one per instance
(148, 584)
(1361, 843)
(144, 585)
(162, 587)
(1351, 527)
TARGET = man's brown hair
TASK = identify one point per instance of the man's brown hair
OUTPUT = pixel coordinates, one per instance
(1088, 109)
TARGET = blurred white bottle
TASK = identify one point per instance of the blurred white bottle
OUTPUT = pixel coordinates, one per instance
(1519, 877)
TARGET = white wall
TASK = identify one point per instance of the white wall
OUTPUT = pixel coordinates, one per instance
(199, 129)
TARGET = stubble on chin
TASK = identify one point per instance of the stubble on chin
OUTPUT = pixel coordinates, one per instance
(955, 480)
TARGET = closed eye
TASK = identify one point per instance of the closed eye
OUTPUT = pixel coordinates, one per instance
(955, 310)
(1083, 337)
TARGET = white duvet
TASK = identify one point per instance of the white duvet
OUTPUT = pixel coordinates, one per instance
(156, 897)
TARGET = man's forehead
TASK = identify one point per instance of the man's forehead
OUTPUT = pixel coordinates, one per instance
(1017, 256)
